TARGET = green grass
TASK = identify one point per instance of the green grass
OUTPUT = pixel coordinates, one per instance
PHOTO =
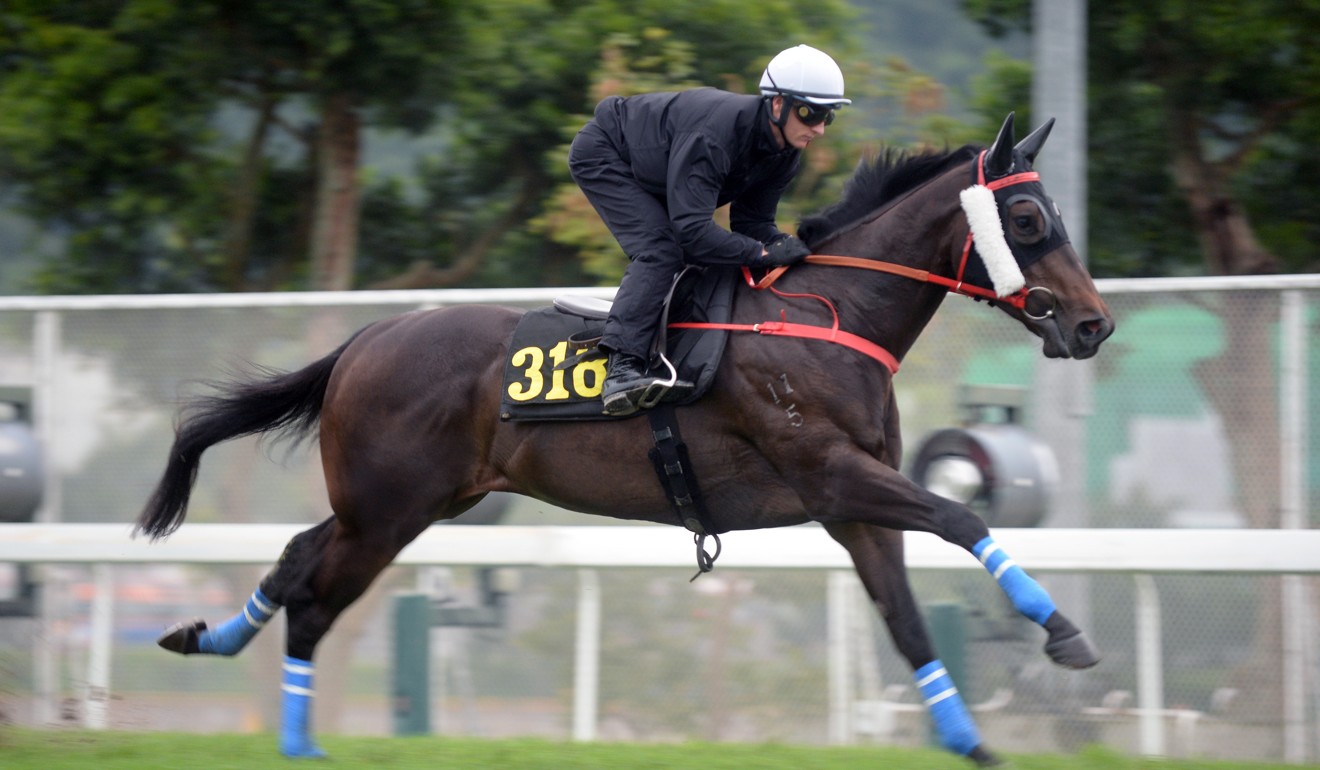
(22, 749)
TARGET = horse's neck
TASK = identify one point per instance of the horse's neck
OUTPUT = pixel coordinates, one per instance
(922, 232)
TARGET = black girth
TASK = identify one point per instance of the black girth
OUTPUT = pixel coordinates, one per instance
(674, 467)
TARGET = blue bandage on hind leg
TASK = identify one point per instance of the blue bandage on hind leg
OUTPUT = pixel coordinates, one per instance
(952, 720)
(231, 636)
(296, 695)
(1025, 593)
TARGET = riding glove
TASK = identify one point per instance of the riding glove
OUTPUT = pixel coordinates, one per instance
(784, 250)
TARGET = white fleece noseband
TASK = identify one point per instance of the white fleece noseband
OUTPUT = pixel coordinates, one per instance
(978, 201)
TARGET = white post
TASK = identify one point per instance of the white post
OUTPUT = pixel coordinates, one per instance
(97, 699)
(1063, 390)
(586, 670)
(1150, 667)
(45, 653)
(838, 604)
(1293, 442)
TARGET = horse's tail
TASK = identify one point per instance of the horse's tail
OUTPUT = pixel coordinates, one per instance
(286, 403)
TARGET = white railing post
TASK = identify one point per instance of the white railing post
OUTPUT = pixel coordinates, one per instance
(586, 669)
(46, 334)
(839, 592)
(1293, 441)
(1150, 667)
(97, 700)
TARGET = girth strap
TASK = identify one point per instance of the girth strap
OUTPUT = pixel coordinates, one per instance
(674, 467)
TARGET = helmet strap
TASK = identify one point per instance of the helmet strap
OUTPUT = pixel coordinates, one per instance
(781, 120)
(786, 103)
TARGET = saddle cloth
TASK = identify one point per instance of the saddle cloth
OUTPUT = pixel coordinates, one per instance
(554, 371)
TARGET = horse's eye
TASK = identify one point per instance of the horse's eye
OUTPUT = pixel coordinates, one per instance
(1026, 221)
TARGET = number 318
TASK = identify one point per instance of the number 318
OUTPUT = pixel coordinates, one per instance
(588, 376)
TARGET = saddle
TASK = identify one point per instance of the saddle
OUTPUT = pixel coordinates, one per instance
(555, 370)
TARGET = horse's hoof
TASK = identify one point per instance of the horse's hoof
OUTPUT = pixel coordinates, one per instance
(984, 758)
(182, 637)
(1067, 645)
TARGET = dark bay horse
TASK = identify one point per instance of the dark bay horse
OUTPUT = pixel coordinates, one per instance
(410, 428)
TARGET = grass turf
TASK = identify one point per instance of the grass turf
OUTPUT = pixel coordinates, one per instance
(23, 749)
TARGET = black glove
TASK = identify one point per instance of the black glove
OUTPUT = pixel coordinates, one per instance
(785, 250)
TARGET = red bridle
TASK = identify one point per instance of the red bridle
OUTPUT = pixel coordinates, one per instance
(833, 333)
(956, 285)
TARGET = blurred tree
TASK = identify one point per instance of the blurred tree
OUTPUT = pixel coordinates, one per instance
(100, 142)
(116, 123)
(533, 72)
(1199, 119)
(204, 145)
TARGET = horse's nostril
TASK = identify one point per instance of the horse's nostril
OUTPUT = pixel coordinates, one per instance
(1095, 329)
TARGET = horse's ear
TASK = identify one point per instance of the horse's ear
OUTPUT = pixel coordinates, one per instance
(1030, 146)
(999, 159)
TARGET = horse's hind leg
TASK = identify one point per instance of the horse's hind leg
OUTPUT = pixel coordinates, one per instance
(323, 571)
(878, 556)
(230, 637)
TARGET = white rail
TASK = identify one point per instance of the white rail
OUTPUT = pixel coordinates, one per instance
(1261, 551)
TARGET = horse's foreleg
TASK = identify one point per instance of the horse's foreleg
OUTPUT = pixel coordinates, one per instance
(865, 490)
(1066, 644)
(878, 556)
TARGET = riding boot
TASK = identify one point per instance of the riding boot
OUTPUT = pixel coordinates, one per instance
(626, 382)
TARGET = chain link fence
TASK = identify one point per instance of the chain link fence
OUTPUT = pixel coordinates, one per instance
(1185, 419)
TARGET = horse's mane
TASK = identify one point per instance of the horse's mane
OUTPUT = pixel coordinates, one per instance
(877, 181)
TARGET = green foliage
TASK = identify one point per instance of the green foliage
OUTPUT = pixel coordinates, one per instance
(1004, 87)
(169, 144)
(85, 108)
(174, 148)
(1225, 89)
(115, 125)
(534, 71)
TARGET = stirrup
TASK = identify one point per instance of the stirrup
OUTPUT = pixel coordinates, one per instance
(656, 391)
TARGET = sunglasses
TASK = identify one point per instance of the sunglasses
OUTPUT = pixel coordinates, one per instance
(813, 114)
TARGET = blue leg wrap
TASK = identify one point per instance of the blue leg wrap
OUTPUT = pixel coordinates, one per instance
(296, 710)
(953, 721)
(231, 636)
(1026, 594)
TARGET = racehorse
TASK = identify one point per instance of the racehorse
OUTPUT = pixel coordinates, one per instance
(411, 431)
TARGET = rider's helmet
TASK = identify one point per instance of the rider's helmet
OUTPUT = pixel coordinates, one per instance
(805, 74)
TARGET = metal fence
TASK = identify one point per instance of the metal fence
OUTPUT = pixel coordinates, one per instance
(1196, 414)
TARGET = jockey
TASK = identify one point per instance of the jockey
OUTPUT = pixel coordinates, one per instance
(656, 167)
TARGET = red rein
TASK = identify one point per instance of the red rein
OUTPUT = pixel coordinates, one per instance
(832, 333)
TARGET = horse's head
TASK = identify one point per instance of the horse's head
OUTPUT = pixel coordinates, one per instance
(1025, 254)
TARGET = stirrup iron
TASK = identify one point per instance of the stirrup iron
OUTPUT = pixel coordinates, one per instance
(656, 391)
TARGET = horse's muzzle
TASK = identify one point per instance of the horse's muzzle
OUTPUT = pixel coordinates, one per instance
(1080, 339)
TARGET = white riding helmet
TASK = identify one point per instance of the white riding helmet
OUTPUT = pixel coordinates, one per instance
(805, 73)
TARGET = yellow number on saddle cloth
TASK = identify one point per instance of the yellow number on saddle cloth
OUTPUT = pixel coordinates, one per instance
(587, 380)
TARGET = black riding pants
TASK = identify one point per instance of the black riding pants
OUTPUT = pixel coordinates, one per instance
(640, 223)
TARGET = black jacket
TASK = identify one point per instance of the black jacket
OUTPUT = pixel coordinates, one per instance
(698, 150)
